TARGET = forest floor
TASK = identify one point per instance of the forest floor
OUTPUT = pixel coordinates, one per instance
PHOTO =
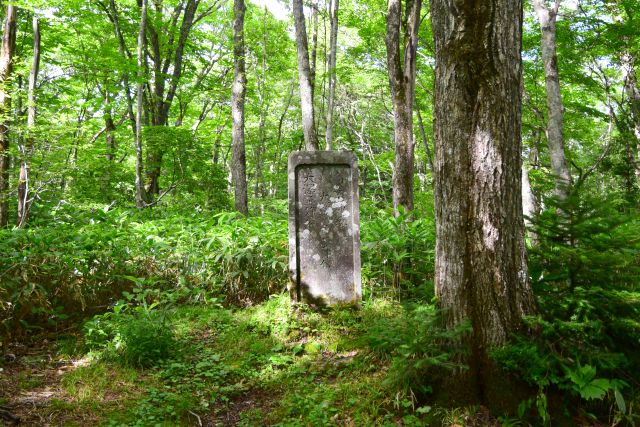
(271, 364)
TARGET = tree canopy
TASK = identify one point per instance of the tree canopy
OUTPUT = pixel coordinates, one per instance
(143, 193)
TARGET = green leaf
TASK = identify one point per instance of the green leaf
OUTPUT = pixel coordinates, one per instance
(582, 375)
(313, 347)
(596, 389)
(622, 406)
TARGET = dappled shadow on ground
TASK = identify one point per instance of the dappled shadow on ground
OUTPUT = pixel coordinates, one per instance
(30, 390)
(276, 363)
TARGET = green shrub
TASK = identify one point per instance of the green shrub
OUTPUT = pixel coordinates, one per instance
(585, 273)
(89, 257)
(136, 335)
(397, 255)
(85, 257)
(251, 255)
(418, 346)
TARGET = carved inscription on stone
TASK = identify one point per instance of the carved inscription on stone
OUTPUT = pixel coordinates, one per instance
(324, 233)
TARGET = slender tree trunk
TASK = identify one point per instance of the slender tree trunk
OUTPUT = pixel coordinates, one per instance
(314, 45)
(109, 127)
(402, 80)
(239, 167)
(23, 182)
(333, 43)
(481, 268)
(633, 93)
(217, 145)
(304, 75)
(122, 48)
(529, 204)
(6, 67)
(262, 95)
(167, 71)
(275, 164)
(140, 190)
(204, 112)
(425, 141)
(555, 139)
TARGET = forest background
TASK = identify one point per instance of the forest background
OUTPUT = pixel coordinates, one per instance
(120, 160)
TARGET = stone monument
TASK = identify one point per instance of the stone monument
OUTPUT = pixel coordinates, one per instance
(324, 227)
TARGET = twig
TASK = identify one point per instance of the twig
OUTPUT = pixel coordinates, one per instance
(103, 130)
(198, 417)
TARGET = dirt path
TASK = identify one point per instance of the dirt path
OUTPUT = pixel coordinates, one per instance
(30, 389)
(31, 392)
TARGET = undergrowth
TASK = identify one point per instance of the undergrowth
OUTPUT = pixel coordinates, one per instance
(81, 262)
(296, 366)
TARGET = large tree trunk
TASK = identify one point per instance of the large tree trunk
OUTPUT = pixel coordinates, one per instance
(481, 268)
(238, 166)
(140, 191)
(304, 75)
(333, 43)
(401, 64)
(6, 66)
(23, 182)
(555, 139)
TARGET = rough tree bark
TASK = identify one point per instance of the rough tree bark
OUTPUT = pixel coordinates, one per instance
(333, 42)
(304, 75)
(140, 190)
(554, 131)
(481, 267)
(401, 64)
(23, 182)
(238, 167)
(6, 67)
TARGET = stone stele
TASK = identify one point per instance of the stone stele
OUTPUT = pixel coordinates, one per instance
(324, 227)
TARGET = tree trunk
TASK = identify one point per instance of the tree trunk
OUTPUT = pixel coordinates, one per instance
(633, 93)
(314, 45)
(261, 81)
(238, 167)
(109, 127)
(6, 66)
(481, 268)
(333, 42)
(23, 182)
(425, 141)
(167, 71)
(304, 75)
(529, 204)
(402, 80)
(140, 190)
(555, 140)
(112, 12)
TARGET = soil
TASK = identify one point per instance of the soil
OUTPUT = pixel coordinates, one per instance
(30, 391)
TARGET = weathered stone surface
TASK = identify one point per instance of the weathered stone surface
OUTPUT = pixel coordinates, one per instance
(324, 227)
